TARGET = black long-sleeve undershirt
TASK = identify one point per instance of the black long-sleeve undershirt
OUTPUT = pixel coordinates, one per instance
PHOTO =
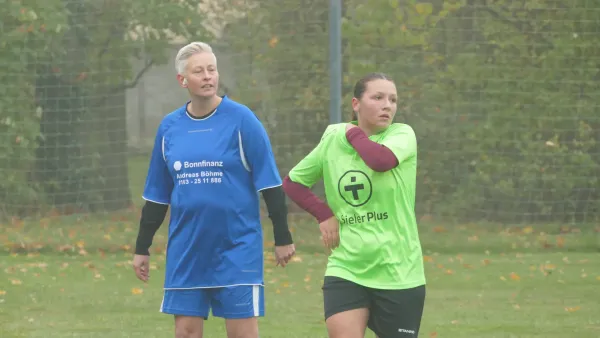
(153, 215)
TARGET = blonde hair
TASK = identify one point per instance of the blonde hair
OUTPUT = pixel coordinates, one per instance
(187, 51)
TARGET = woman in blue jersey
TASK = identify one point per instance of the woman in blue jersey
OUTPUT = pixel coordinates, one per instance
(210, 158)
(375, 276)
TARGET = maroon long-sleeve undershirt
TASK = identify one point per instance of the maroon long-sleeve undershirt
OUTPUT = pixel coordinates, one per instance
(307, 200)
(378, 157)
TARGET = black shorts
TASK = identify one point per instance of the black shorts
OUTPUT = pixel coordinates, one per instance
(392, 313)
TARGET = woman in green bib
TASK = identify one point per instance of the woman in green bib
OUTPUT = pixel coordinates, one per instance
(375, 276)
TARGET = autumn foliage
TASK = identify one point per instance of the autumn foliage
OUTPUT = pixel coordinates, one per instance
(501, 95)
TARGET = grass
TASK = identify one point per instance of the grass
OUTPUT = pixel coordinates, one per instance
(71, 277)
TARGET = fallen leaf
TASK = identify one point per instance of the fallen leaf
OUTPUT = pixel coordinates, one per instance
(2, 292)
(15, 282)
(427, 259)
(273, 41)
(137, 291)
(64, 248)
(560, 241)
(296, 259)
(572, 309)
(514, 276)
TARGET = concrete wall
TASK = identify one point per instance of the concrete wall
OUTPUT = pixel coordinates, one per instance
(157, 94)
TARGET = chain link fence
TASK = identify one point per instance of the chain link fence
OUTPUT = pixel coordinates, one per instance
(503, 95)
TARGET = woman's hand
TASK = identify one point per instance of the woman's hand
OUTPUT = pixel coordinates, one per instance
(330, 233)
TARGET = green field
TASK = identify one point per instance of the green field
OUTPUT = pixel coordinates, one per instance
(72, 277)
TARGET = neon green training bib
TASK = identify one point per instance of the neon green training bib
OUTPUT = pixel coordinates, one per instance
(379, 240)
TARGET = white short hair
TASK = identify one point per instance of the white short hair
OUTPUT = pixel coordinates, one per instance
(187, 51)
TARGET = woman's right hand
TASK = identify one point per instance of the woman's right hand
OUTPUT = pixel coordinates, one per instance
(330, 233)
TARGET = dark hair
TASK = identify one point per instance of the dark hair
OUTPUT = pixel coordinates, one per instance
(361, 86)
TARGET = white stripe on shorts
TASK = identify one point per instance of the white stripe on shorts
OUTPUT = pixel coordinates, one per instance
(256, 299)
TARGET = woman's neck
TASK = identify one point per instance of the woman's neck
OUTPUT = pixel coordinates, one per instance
(200, 106)
(369, 130)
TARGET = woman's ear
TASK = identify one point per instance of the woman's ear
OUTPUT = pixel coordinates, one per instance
(355, 105)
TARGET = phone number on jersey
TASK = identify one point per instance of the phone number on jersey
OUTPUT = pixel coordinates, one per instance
(203, 180)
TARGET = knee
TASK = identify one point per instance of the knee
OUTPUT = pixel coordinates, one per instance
(187, 331)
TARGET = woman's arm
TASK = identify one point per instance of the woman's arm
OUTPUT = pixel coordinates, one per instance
(376, 156)
(307, 200)
(153, 215)
(304, 175)
(278, 212)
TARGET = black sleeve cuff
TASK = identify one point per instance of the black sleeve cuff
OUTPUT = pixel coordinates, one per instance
(153, 214)
(277, 208)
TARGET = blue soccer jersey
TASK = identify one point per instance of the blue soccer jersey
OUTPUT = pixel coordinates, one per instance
(210, 172)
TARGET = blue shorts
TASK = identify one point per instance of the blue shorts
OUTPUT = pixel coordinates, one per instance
(232, 302)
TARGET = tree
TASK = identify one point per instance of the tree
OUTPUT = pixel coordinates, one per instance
(501, 96)
(65, 121)
(280, 49)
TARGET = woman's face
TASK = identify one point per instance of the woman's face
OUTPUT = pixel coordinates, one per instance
(377, 106)
(202, 76)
